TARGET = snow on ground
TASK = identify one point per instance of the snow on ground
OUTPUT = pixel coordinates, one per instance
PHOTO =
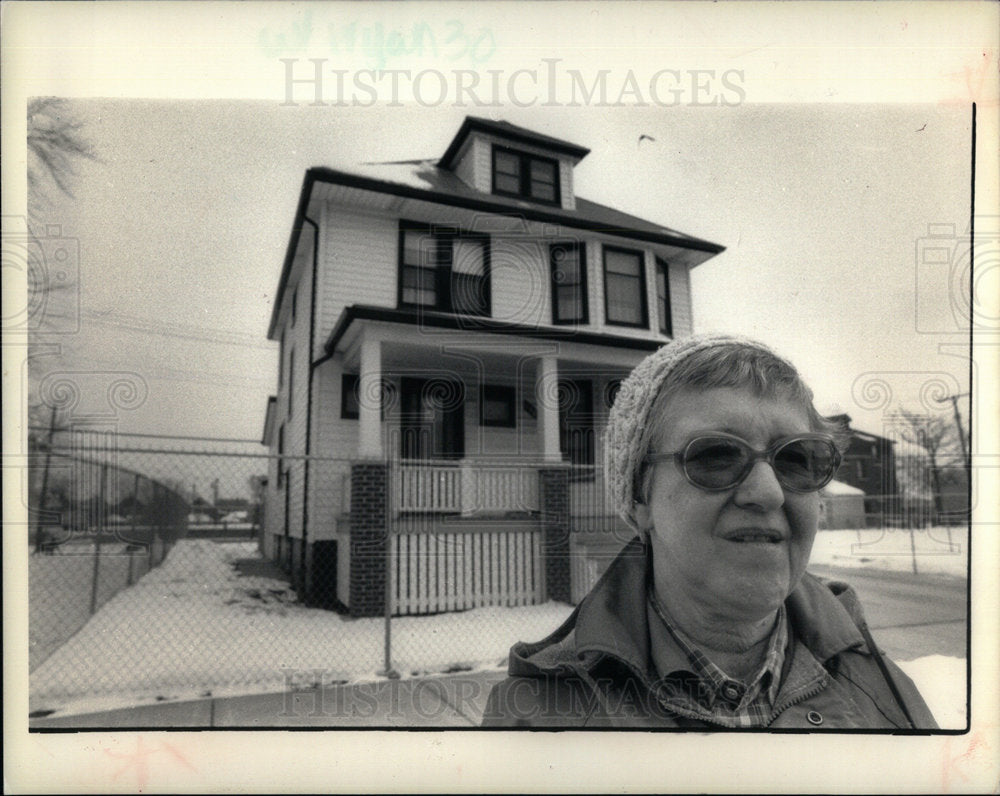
(940, 551)
(942, 682)
(195, 627)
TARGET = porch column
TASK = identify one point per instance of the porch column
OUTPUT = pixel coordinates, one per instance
(553, 497)
(369, 409)
(369, 538)
(547, 392)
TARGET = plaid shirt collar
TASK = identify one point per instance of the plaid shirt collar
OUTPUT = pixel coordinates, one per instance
(691, 685)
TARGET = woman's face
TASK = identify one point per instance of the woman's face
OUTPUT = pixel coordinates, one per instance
(707, 547)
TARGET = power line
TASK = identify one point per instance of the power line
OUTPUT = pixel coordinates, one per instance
(153, 436)
(202, 334)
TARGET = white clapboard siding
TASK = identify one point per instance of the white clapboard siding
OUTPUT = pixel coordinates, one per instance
(455, 571)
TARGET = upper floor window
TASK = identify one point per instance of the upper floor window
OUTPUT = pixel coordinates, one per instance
(291, 379)
(663, 297)
(281, 450)
(444, 269)
(281, 361)
(569, 282)
(625, 287)
(528, 176)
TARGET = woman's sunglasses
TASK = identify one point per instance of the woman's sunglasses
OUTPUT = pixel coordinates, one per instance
(715, 462)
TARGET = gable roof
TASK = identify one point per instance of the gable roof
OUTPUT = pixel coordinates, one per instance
(512, 132)
(863, 436)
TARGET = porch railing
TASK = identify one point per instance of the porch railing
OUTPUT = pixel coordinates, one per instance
(465, 487)
(426, 487)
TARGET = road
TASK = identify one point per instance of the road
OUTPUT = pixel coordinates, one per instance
(910, 616)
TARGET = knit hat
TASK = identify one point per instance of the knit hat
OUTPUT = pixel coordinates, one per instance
(630, 413)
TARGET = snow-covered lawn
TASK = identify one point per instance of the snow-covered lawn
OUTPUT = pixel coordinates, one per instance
(195, 627)
(942, 551)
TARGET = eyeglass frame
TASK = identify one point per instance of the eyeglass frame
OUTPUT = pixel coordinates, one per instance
(768, 454)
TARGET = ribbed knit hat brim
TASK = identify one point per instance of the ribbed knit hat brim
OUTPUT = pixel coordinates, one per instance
(630, 413)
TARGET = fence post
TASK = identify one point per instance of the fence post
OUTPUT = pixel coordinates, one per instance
(45, 483)
(97, 539)
(388, 671)
(135, 507)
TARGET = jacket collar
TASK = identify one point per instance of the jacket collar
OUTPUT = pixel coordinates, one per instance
(612, 619)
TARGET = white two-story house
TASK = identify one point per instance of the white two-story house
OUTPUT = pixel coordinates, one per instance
(452, 335)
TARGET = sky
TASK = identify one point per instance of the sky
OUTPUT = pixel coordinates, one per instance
(183, 217)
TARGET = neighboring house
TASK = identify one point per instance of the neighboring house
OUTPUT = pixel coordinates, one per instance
(452, 335)
(870, 465)
(841, 506)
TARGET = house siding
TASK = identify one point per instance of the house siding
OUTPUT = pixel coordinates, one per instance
(358, 265)
(333, 438)
(679, 279)
(465, 167)
(520, 280)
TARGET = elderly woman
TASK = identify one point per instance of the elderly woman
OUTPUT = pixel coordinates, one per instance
(708, 619)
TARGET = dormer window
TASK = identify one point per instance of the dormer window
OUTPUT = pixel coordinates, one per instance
(526, 176)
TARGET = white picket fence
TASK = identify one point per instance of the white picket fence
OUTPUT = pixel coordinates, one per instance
(454, 571)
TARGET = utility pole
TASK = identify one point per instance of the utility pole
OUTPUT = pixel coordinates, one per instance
(958, 426)
(966, 454)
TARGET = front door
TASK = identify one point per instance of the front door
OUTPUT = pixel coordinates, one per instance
(576, 421)
(432, 419)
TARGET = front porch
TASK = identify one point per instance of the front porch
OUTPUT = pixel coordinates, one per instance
(462, 535)
(474, 474)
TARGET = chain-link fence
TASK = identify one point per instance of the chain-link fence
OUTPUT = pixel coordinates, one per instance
(152, 577)
(182, 568)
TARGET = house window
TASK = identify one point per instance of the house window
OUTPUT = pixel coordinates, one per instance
(663, 297)
(497, 406)
(281, 361)
(624, 288)
(349, 409)
(527, 176)
(576, 423)
(569, 283)
(295, 297)
(444, 269)
(291, 382)
(281, 451)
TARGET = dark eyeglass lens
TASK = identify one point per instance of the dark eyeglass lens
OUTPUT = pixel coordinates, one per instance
(804, 463)
(720, 463)
(715, 462)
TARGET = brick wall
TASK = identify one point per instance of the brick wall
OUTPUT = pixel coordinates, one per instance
(368, 538)
(553, 497)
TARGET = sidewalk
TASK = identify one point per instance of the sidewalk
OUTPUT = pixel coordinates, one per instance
(455, 700)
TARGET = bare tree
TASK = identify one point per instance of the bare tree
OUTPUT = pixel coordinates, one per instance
(56, 143)
(936, 436)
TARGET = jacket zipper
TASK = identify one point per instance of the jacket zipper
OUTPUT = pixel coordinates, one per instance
(807, 694)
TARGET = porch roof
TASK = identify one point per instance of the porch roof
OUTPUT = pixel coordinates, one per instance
(471, 323)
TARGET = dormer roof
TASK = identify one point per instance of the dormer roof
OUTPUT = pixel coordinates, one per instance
(513, 133)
